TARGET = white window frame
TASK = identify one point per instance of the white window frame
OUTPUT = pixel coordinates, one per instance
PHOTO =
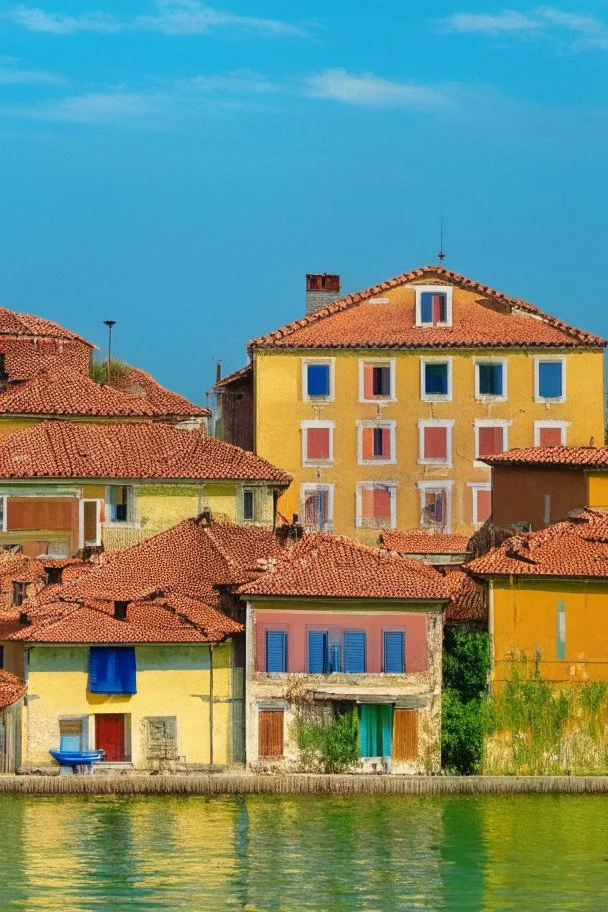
(377, 362)
(319, 425)
(488, 397)
(490, 422)
(360, 486)
(437, 289)
(331, 362)
(435, 397)
(435, 422)
(475, 487)
(550, 425)
(247, 489)
(392, 427)
(4, 499)
(540, 359)
(311, 488)
(423, 487)
(81, 542)
(130, 523)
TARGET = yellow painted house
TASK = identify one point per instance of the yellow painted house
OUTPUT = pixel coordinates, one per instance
(137, 657)
(382, 404)
(68, 486)
(547, 598)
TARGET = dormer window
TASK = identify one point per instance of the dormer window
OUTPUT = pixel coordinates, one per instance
(433, 305)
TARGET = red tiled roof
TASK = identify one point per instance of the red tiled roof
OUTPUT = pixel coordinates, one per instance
(20, 324)
(496, 321)
(331, 566)
(413, 541)
(573, 548)
(574, 457)
(139, 382)
(170, 582)
(468, 604)
(234, 377)
(63, 449)
(11, 688)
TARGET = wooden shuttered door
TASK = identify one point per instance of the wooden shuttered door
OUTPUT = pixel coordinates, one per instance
(270, 728)
(52, 514)
(405, 734)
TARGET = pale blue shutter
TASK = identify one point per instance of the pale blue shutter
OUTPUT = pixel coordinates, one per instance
(354, 651)
(550, 379)
(276, 651)
(317, 652)
(394, 653)
(426, 307)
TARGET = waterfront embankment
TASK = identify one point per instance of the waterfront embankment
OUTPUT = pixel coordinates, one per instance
(245, 784)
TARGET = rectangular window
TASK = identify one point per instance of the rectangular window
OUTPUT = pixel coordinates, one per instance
(317, 652)
(490, 440)
(119, 499)
(335, 658)
(482, 503)
(270, 733)
(248, 505)
(354, 651)
(376, 441)
(435, 507)
(560, 651)
(161, 737)
(2, 514)
(405, 734)
(376, 506)
(435, 379)
(276, 651)
(375, 729)
(73, 734)
(549, 380)
(376, 380)
(112, 670)
(394, 651)
(90, 523)
(433, 307)
(317, 442)
(490, 379)
(317, 507)
(550, 433)
(435, 441)
(318, 380)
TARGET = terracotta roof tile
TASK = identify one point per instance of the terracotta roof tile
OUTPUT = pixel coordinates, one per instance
(331, 566)
(20, 324)
(413, 541)
(139, 382)
(242, 374)
(11, 688)
(572, 548)
(468, 604)
(496, 321)
(63, 449)
(574, 457)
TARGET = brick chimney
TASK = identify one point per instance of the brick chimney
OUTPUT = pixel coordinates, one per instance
(321, 290)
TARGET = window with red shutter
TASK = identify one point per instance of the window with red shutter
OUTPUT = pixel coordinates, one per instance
(377, 381)
(376, 506)
(483, 505)
(435, 443)
(490, 440)
(317, 443)
(550, 436)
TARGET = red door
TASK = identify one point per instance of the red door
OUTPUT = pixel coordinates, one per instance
(110, 736)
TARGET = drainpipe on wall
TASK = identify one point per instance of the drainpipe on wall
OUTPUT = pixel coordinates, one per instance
(211, 645)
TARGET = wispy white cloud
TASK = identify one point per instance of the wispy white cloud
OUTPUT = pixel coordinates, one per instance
(369, 90)
(170, 17)
(577, 29)
(12, 73)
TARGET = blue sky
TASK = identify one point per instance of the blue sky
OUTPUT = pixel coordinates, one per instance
(179, 167)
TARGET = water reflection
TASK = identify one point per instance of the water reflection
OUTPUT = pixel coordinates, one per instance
(290, 854)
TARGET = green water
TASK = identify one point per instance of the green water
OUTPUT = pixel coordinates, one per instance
(286, 854)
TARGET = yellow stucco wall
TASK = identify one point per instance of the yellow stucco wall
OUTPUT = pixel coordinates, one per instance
(524, 619)
(172, 680)
(280, 409)
(597, 489)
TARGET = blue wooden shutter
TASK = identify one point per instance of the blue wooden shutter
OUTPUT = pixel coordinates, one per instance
(354, 651)
(112, 670)
(317, 376)
(124, 664)
(550, 384)
(426, 307)
(394, 661)
(317, 652)
(276, 650)
(98, 669)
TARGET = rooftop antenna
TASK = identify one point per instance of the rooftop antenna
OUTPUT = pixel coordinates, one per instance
(441, 254)
(109, 324)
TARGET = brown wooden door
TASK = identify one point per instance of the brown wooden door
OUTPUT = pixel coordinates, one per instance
(270, 741)
(405, 734)
(110, 736)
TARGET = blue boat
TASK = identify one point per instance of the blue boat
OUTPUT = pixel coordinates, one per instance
(77, 758)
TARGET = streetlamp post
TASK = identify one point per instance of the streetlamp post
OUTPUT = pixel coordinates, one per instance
(109, 324)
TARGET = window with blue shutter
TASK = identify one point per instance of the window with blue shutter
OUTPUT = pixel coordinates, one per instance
(435, 379)
(276, 651)
(317, 652)
(354, 651)
(112, 670)
(550, 380)
(394, 652)
(490, 379)
(317, 379)
(426, 307)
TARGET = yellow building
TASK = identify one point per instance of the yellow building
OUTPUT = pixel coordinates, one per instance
(136, 657)
(381, 405)
(65, 486)
(548, 592)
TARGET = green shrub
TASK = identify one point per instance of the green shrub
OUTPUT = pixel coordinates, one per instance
(99, 370)
(462, 733)
(329, 746)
